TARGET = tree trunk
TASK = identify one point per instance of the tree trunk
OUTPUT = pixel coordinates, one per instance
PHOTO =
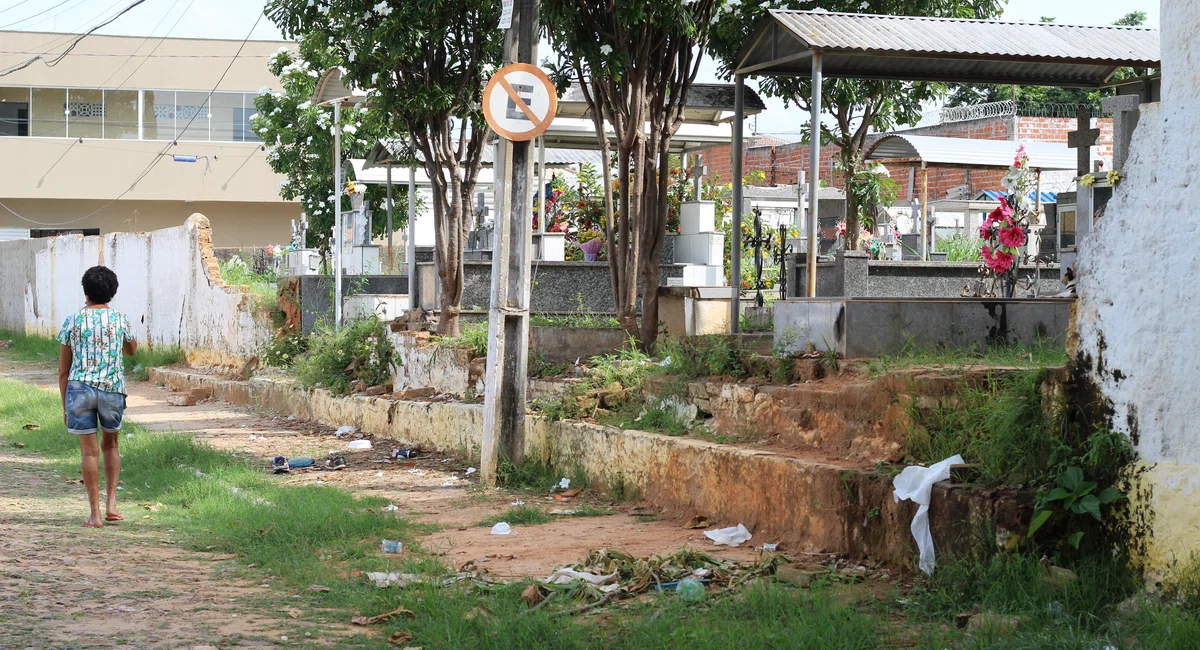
(852, 222)
(654, 217)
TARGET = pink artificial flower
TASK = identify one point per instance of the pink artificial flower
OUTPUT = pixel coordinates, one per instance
(841, 229)
(1012, 237)
(1021, 156)
(1001, 262)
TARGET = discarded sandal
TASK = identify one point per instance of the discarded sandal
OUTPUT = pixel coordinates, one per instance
(280, 465)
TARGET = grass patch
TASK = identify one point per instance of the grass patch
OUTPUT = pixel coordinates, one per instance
(472, 336)
(588, 510)
(1038, 355)
(138, 366)
(29, 347)
(523, 515)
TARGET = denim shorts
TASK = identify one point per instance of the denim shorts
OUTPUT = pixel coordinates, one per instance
(87, 404)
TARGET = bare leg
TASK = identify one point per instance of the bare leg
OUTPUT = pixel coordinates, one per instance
(112, 471)
(90, 453)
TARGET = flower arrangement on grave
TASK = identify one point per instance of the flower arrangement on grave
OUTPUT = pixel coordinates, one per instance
(1087, 180)
(1005, 230)
(590, 242)
(355, 188)
(1113, 177)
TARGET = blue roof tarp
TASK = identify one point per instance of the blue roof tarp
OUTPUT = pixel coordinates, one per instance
(993, 195)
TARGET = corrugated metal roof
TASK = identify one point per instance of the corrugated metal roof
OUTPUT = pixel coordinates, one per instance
(919, 48)
(385, 151)
(964, 152)
(707, 103)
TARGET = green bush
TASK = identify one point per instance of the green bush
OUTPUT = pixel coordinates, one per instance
(961, 247)
(285, 351)
(338, 357)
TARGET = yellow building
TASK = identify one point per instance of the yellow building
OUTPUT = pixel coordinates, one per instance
(104, 140)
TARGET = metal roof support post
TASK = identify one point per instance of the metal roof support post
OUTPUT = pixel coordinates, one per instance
(391, 256)
(410, 250)
(814, 164)
(924, 211)
(735, 247)
(337, 213)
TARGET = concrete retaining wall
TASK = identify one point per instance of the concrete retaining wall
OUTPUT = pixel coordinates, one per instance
(170, 288)
(858, 328)
(853, 275)
(569, 344)
(814, 506)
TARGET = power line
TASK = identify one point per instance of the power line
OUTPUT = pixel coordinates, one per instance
(14, 6)
(160, 42)
(54, 61)
(163, 152)
(35, 15)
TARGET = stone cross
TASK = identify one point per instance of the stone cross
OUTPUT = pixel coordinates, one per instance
(698, 172)
(1125, 118)
(1082, 140)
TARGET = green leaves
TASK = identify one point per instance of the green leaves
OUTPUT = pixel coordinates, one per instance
(1073, 495)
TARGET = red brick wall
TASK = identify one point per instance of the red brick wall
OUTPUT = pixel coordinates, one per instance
(779, 162)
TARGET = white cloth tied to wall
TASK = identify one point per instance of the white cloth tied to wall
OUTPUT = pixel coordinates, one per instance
(916, 483)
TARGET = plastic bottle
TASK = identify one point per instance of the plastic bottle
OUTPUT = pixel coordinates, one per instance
(690, 589)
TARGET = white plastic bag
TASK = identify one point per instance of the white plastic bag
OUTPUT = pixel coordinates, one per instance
(732, 536)
(916, 483)
(359, 444)
(502, 528)
(344, 431)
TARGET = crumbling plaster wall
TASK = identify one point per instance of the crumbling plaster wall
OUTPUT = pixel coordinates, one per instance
(170, 288)
(1138, 311)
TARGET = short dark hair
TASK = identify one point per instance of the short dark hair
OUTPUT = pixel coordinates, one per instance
(99, 284)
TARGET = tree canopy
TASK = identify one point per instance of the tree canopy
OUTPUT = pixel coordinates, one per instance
(299, 139)
(425, 64)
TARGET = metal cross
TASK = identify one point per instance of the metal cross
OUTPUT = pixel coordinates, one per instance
(1082, 140)
(698, 172)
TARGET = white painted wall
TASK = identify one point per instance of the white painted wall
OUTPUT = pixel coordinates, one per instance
(165, 289)
(1139, 308)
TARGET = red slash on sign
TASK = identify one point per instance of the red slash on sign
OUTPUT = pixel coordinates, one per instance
(519, 102)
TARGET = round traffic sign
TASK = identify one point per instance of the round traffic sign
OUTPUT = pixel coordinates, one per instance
(519, 102)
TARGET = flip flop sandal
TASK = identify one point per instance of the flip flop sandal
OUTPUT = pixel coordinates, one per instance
(113, 518)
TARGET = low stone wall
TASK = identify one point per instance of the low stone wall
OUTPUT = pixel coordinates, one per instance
(556, 288)
(814, 506)
(853, 275)
(421, 363)
(571, 344)
(861, 327)
(311, 296)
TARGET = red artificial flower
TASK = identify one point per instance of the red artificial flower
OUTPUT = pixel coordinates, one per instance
(1012, 237)
(1001, 213)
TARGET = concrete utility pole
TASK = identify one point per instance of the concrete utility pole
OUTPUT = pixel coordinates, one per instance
(508, 316)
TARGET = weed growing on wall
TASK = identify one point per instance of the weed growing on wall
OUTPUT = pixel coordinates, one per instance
(336, 358)
(473, 337)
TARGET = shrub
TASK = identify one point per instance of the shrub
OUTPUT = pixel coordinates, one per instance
(284, 351)
(338, 357)
(474, 337)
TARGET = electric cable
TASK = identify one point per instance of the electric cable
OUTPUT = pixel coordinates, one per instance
(54, 61)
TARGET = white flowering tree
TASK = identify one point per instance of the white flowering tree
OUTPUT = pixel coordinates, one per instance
(299, 140)
(635, 62)
(858, 107)
(425, 65)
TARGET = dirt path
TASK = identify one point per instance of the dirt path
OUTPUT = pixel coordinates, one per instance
(62, 585)
(58, 579)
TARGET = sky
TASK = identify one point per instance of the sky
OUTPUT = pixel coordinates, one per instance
(233, 19)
